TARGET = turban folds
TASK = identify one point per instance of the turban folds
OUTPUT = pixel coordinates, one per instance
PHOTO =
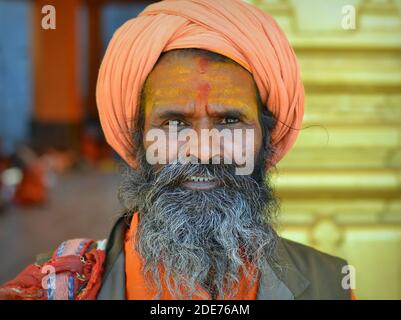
(232, 28)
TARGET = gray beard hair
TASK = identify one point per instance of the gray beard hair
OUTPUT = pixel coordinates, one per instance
(197, 235)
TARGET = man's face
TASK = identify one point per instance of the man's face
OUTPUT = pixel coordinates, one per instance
(190, 91)
(200, 220)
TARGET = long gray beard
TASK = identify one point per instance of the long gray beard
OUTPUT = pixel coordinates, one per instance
(200, 237)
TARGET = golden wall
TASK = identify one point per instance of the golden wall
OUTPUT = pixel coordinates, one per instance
(340, 186)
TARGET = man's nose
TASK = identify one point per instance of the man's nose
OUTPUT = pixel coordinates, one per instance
(204, 148)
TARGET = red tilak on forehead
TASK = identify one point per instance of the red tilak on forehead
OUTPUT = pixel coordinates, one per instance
(203, 87)
(202, 64)
(203, 93)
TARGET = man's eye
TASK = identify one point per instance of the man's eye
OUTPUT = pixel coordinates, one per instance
(229, 120)
(175, 122)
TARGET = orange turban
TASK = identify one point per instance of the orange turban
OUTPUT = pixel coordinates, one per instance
(232, 28)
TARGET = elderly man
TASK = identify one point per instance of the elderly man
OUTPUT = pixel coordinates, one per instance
(194, 226)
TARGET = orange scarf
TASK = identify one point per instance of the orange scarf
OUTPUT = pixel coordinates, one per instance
(136, 288)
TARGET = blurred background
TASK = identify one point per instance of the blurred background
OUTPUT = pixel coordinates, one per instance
(340, 186)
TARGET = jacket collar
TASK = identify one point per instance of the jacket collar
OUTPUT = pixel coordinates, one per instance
(113, 282)
(285, 275)
(285, 282)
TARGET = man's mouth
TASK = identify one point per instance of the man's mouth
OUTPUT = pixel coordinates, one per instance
(200, 182)
(200, 179)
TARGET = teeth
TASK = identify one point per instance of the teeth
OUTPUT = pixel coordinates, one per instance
(200, 179)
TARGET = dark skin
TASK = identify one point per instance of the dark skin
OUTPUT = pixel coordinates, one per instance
(192, 91)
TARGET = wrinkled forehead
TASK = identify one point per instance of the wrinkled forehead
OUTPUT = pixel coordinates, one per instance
(185, 64)
(180, 77)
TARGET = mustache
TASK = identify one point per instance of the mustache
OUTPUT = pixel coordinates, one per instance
(175, 174)
(170, 179)
(152, 181)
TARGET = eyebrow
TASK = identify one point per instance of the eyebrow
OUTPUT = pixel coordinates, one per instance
(231, 113)
(169, 114)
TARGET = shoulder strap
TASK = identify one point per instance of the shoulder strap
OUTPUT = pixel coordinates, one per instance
(74, 272)
(63, 286)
